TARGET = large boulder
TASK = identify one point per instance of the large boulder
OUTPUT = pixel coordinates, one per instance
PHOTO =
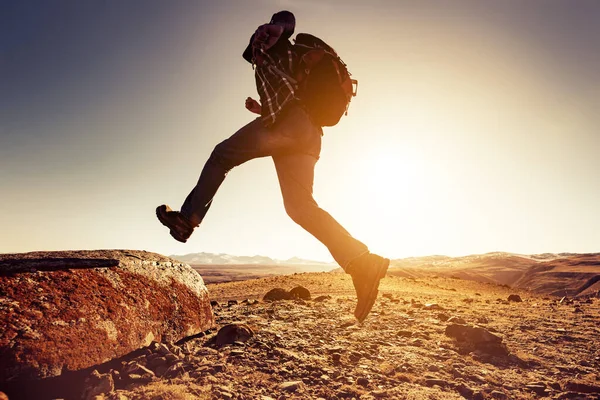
(70, 310)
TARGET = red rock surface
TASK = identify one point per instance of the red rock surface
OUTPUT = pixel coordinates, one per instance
(69, 310)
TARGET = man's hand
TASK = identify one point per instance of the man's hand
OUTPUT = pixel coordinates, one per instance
(253, 105)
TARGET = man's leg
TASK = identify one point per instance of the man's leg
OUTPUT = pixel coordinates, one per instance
(296, 176)
(292, 133)
(251, 141)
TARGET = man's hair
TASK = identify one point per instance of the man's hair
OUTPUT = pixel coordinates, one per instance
(285, 19)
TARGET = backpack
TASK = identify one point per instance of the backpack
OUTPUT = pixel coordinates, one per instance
(324, 83)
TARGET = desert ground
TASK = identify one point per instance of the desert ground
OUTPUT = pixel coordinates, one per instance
(541, 347)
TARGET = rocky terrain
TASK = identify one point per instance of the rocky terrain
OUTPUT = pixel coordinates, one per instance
(427, 338)
(434, 338)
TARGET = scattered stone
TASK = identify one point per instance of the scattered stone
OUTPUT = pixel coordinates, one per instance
(433, 306)
(498, 395)
(233, 333)
(291, 386)
(403, 333)
(277, 294)
(433, 382)
(443, 317)
(515, 298)
(322, 298)
(162, 349)
(477, 337)
(465, 391)
(582, 387)
(156, 362)
(362, 381)
(174, 371)
(381, 393)
(540, 390)
(97, 384)
(300, 292)
(232, 303)
(457, 320)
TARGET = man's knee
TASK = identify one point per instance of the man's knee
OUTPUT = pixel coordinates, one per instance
(221, 156)
(301, 212)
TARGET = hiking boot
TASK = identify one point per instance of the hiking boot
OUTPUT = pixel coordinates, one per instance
(180, 227)
(366, 271)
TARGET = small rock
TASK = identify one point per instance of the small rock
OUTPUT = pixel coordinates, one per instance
(300, 292)
(160, 370)
(175, 371)
(582, 387)
(171, 358)
(214, 303)
(433, 306)
(480, 338)
(515, 298)
(322, 298)
(465, 391)
(403, 333)
(498, 395)
(457, 320)
(163, 349)
(537, 389)
(277, 294)
(443, 317)
(236, 353)
(218, 367)
(291, 386)
(381, 393)
(232, 303)
(136, 368)
(233, 333)
(362, 381)
(97, 384)
(156, 361)
(438, 382)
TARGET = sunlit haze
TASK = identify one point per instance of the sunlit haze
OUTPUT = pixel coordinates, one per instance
(475, 128)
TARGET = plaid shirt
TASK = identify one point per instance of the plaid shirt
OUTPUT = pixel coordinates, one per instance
(275, 91)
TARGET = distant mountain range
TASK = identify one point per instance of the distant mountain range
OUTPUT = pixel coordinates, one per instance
(227, 259)
(558, 274)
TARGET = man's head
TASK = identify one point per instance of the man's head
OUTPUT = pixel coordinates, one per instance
(285, 19)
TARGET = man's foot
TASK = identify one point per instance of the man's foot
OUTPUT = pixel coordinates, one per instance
(366, 271)
(180, 227)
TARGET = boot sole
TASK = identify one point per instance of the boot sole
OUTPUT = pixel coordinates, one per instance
(362, 312)
(163, 209)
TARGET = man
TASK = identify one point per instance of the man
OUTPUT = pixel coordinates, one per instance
(285, 132)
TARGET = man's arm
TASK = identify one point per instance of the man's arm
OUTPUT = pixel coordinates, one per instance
(262, 40)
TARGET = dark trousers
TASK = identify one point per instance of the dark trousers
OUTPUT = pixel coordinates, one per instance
(294, 143)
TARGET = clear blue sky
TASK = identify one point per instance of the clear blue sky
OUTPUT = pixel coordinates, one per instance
(475, 128)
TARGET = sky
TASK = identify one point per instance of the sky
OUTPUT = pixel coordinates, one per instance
(475, 128)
